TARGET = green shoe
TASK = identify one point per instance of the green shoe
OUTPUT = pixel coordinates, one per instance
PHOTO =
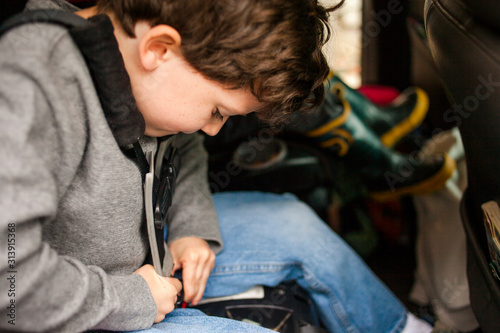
(429, 176)
(390, 123)
(385, 173)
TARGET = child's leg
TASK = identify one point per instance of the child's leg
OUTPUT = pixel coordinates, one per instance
(271, 238)
(194, 321)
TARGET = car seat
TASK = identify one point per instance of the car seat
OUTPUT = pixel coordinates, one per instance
(464, 39)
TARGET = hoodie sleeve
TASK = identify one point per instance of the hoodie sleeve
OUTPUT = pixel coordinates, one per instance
(40, 290)
(193, 212)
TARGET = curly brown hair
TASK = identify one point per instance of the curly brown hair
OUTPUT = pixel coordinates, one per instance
(272, 47)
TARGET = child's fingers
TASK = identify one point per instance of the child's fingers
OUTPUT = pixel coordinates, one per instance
(166, 302)
(164, 290)
(189, 280)
(199, 272)
(177, 266)
(204, 274)
(196, 259)
(176, 283)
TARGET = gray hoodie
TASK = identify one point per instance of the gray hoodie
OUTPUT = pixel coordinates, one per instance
(71, 204)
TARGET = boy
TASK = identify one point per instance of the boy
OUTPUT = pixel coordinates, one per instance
(71, 194)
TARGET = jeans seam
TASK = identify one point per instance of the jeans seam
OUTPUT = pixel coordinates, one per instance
(402, 323)
(250, 268)
(337, 307)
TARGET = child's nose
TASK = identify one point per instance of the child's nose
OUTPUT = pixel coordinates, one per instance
(213, 128)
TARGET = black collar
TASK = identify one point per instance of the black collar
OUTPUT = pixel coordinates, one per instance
(99, 47)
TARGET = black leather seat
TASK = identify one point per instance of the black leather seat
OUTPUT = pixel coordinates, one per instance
(464, 38)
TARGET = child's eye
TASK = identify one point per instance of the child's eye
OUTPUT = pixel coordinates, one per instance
(216, 115)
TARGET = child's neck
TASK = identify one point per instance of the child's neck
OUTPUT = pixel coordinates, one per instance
(87, 12)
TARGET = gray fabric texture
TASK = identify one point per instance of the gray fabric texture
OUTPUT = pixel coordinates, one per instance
(74, 199)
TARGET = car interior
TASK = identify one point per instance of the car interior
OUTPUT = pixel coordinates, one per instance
(434, 251)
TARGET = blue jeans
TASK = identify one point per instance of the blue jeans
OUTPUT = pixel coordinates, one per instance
(271, 238)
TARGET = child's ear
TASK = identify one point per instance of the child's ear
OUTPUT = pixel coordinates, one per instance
(156, 44)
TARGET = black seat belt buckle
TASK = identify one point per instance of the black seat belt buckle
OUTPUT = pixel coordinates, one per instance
(159, 188)
(167, 166)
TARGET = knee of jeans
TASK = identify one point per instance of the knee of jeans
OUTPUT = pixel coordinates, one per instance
(303, 225)
(298, 221)
(283, 215)
(268, 206)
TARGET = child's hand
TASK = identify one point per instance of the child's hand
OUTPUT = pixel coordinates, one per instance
(196, 259)
(163, 289)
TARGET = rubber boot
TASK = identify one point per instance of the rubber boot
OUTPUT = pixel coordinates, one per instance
(390, 123)
(385, 173)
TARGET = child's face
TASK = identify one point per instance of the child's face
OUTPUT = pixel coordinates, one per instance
(178, 99)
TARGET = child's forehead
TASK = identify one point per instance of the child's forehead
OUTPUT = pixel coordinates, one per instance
(241, 102)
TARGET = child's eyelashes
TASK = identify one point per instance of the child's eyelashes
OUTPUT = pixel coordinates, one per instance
(216, 115)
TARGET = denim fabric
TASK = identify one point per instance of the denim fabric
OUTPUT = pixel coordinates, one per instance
(195, 321)
(270, 238)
